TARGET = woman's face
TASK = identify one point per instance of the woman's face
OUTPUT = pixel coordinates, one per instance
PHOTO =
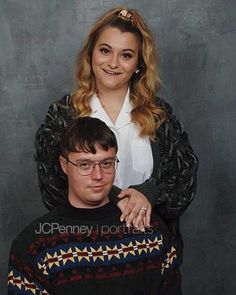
(114, 59)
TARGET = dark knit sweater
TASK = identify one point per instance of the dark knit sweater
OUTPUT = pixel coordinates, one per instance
(73, 251)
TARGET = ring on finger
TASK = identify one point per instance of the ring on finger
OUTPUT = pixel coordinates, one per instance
(143, 208)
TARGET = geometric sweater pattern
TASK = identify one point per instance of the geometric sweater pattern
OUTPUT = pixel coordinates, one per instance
(95, 262)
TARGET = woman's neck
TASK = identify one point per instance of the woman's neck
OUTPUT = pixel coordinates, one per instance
(112, 96)
(112, 102)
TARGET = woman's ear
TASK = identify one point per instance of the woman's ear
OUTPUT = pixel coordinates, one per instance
(63, 163)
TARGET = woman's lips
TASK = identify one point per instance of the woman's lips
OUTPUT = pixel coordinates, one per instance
(111, 72)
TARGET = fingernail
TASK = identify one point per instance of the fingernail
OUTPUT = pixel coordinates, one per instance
(122, 219)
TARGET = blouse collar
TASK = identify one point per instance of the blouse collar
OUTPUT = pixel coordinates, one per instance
(96, 104)
(123, 118)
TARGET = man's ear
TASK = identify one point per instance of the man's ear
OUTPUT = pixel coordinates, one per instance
(63, 163)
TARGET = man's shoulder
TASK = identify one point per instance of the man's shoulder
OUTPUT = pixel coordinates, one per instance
(32, 230)
(159, 225)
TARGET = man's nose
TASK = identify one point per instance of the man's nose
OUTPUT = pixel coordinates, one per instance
(97, 172)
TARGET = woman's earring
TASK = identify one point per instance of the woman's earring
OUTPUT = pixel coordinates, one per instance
(137, 71)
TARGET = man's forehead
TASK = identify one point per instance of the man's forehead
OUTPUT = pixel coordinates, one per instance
(99, 155)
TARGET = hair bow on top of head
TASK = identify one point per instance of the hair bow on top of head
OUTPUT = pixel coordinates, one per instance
(126, 14)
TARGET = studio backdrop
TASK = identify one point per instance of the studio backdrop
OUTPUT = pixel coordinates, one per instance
(39, 41)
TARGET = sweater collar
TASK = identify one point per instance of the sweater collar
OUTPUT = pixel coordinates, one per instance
(68, 211)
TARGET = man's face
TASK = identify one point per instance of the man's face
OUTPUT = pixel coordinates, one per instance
(92, 190)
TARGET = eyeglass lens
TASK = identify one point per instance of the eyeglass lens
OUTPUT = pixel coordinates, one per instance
(86, 167)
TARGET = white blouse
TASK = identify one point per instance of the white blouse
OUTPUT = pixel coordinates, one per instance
(134, 152)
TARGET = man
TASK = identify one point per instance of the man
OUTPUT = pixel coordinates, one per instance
(81, 247)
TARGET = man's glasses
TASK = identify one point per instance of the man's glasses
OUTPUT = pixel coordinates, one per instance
(86, 167)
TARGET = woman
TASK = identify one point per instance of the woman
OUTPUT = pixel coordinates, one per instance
(117, 79)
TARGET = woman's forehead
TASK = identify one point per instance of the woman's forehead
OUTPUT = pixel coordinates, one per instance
(115, 38)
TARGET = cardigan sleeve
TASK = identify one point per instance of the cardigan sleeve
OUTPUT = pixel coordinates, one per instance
(52, 180)
(173, 186)
(24, 276)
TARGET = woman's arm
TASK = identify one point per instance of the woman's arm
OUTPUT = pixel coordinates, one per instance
(52, 180)
(173, 187)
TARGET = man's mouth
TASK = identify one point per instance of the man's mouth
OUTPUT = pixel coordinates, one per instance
(97, 187)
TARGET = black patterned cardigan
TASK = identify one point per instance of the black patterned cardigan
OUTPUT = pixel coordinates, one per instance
(171, 187)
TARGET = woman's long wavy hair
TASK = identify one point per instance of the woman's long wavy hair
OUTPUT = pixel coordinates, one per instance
(143, 86)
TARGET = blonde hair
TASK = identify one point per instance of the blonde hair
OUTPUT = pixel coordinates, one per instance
(143, 86)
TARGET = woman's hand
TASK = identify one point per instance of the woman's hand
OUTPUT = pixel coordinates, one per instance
(135, 208)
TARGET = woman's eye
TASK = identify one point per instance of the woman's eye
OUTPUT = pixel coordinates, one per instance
(104, 50)
(127, 55)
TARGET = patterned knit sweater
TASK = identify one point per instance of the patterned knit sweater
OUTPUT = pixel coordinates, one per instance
(73, 251)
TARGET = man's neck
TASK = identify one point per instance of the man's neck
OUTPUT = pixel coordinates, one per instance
(88, 205)
(68, 211)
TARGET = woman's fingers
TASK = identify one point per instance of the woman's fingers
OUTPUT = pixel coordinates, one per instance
(138, 209)
(143, 218)
(128, 209)
(134, 211)
(140, 221)
(148, 216)
(123, 203)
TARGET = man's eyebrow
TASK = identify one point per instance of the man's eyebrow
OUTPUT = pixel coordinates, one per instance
(82, 160)
(126, 49)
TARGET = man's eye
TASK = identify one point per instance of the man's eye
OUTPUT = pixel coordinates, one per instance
(107, 164)
(84, 165)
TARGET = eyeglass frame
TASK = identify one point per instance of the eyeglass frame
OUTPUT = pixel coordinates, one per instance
(116, 161)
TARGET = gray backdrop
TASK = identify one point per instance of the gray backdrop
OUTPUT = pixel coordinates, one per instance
(196, 39)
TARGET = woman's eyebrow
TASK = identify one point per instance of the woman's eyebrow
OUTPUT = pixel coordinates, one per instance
(126, 49)
(105, 44)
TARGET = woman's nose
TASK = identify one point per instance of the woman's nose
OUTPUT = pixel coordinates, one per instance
(113, 61)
